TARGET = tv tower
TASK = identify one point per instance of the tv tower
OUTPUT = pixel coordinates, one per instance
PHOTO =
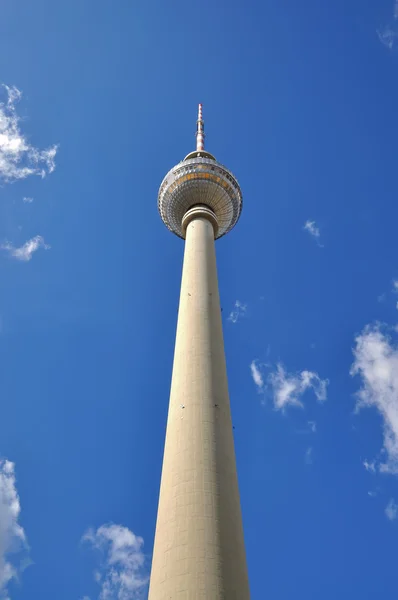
(199, 548)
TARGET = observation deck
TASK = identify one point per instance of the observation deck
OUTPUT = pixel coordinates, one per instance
(200, 180)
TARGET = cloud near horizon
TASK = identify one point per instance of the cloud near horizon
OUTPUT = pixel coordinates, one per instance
(122, 574)
(13, 543)
(376, 363)
(18, 158)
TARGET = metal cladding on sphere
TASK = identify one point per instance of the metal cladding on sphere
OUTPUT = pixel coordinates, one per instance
(200, 179)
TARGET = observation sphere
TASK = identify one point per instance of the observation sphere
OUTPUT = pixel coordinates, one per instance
(200, 180)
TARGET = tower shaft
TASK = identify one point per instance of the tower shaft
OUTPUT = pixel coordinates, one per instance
(199, 548)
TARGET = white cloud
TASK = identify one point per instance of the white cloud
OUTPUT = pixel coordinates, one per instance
(238, 311)
(387, 36)
(395, 290)
(18, 158)
(26, 251)
(13, 543)
(309, 456)
(376, 362)
(312, 426)
(122, 574)
(288, 388)
(313, 230)
(257, 376)
(370, 466)
(27, 200)
(391, 510)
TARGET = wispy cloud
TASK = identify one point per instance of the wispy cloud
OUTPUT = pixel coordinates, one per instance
(257, 375)
(238, 311)
(18, 158)
(27, 200)
(312, 426)
(13, 543)
(309, 459)
(370, 466)
(122, 574)
(376, 362)
(26, 251)
(288, 388)
(313, 230)
(391, 510)
(395, 289)
(388, 35)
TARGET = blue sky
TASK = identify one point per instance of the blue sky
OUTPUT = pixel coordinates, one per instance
(300, 103)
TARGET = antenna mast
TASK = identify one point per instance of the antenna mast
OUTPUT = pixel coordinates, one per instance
(200, 131)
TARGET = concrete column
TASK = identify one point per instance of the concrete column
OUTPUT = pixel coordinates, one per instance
(199, 549)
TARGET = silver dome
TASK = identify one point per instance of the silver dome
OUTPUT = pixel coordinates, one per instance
(195, 181)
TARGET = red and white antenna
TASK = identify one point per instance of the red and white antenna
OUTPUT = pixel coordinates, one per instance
(200, 131)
